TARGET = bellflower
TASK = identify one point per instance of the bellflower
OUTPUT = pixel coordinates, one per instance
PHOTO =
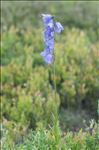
(58, 27)
(47, 19)
(50, 27)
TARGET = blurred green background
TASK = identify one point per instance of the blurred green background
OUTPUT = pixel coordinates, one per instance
(27, 83)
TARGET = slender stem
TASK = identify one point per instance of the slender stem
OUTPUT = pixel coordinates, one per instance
(54, 81)
(54, 74)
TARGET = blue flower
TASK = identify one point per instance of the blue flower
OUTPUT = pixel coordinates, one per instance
(50, 44)
(58, 27)
(47, 19)
(50, 27)
(48, 34)
(48, 58)
(45, 52)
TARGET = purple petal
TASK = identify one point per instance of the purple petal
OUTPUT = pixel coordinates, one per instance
(48, 59)
(47, 18)
(48, 33)
(51, 24)
(50, 43)
(43, 54)
(58, 27)
(52, 34)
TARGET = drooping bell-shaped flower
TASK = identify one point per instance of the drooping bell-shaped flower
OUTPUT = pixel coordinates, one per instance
(47, 19)
(58, 27)
(50, 27)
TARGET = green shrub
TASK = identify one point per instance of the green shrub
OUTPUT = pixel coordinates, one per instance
(27, 89)
(53, 139)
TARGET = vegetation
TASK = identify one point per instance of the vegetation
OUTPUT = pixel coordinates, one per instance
(43, 139)
(28, 104)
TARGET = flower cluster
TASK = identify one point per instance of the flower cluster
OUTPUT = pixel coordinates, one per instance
(50, 27)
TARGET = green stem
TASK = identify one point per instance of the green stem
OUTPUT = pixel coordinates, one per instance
(54, 77)
(54, 81)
